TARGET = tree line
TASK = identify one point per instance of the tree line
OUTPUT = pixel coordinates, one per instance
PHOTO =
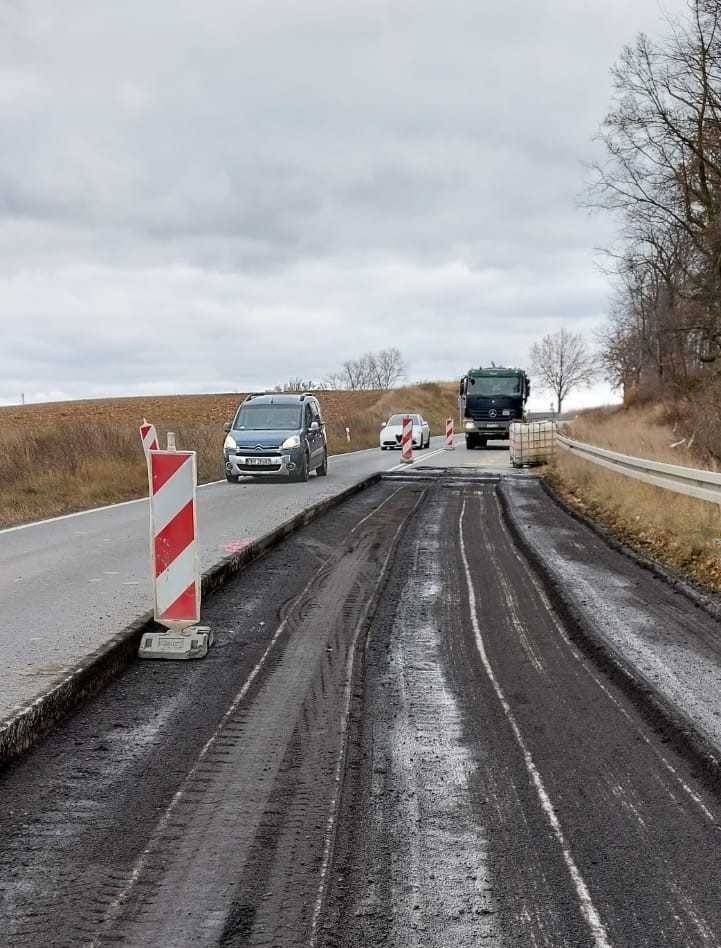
(382, 369)
(662, 174)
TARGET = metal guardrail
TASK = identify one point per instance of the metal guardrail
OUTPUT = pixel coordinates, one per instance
(694, 482)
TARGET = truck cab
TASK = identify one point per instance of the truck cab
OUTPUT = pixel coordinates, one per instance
(490, 399)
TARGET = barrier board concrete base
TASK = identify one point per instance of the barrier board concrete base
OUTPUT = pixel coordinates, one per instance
(190, 643)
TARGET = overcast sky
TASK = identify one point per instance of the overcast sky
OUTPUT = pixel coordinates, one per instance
(224, 195)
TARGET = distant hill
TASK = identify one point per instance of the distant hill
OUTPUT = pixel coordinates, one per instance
(58, 457)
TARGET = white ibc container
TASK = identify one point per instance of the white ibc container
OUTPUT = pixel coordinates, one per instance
(531, 442)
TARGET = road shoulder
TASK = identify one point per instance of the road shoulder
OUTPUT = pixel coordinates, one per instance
(662, 649)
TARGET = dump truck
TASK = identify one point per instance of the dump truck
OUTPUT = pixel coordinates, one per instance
(489, 400)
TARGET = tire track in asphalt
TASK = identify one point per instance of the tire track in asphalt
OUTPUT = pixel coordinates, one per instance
(634, 816)
(79, 809)
(589, 830)
(263, 747)
(410, 867)
(588, 909)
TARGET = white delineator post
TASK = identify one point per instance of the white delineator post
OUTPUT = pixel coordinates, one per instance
(407, 441)
(347, 435)
(174, 558)
(449, 434)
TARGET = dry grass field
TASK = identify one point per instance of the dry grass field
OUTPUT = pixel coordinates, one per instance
(681, 532)
(66, 456)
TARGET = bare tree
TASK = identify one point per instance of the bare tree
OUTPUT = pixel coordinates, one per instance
(390, 367)
(561, 361)
(296, 385)
(663, 172)
(334, 381)
(381, 370)
(358, 373)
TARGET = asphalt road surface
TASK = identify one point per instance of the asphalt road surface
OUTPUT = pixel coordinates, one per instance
(68, 585)
(395, 742)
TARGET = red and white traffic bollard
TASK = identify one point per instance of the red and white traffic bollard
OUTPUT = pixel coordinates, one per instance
(449, 434)
(149, 437)
(407, 441)
(174, 558)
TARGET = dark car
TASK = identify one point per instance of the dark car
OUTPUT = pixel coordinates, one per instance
(276, 434)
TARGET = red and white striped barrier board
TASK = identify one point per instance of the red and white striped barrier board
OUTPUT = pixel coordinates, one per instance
(174, 538)
(449, 434)
(407, 441)
(149, 437)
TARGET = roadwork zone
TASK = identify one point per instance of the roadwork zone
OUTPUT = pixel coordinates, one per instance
(397, 740)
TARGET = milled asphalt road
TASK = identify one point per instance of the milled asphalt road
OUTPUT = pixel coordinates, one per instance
(69, 584)
(394, 742)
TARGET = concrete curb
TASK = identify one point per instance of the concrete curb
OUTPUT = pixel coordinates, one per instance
(684, 735)
(27, 724)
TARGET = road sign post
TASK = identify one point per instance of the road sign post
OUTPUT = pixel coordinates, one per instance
(149, 437)
(174, 558)
(407, 441)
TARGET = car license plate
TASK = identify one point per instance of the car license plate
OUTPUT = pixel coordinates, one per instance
(492, 424)
(260, 462)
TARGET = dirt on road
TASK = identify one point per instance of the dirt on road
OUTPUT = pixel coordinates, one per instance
(395, 742)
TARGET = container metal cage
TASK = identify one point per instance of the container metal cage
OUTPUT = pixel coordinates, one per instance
(532, 442)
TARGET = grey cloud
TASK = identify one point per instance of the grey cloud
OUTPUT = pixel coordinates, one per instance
(293, 183)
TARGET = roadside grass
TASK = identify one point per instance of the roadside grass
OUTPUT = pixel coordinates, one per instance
(681, 532)
(62, 457)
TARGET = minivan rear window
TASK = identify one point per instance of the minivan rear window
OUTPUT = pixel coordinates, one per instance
(268, 418)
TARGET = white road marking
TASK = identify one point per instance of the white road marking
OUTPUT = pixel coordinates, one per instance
(425, 457)
(584, 664)
(376, 509)
(588, 909)
(78, 513)
(141, 500)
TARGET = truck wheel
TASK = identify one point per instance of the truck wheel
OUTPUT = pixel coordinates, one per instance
(482, 442)
(470, 443)
(232, 478)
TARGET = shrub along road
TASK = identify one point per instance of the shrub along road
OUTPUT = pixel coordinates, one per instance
(395, 742)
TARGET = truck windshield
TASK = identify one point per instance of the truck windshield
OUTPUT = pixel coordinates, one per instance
(268, 418)
(508, 385)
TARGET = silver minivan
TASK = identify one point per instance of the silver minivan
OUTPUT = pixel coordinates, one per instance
(276, 434)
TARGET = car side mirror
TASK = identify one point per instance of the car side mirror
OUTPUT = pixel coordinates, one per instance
(314, 426)
(227, 426)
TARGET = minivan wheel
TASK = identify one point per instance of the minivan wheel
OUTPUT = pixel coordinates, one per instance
(232, 478)
(322, 469)
(301, 471)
